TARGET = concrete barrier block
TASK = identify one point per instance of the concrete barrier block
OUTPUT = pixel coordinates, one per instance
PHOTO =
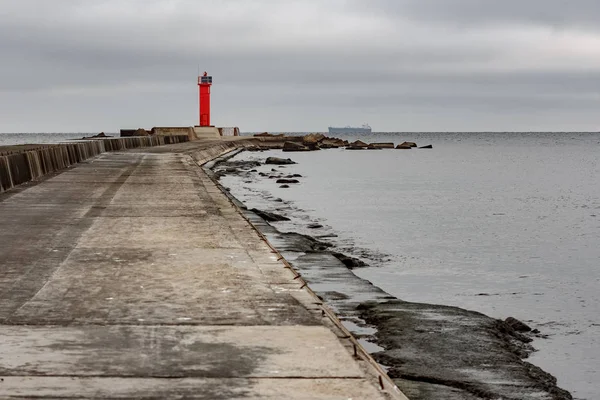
(34, 162)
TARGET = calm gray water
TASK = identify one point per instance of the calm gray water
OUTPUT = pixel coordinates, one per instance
(38, 138)
(505, 224)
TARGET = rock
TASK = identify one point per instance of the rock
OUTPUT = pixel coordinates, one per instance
(232, 167)
(332, 142)
(278, 200)
(517, 325)
(301, 243)
(273, 170)
(284, 186)
(253, 170)
(404, 147)
(101, 134)
(267, 134)
(349, 262)
(279, 161)
(291, 146)
(314, 226)
(358, 143)
(268, 216)
(141, 132)
(387, 145)
(313, 138)
(426, 147)
(373, 148)
(263, 174)
(411, 144)
(296, 176)
(287, 181)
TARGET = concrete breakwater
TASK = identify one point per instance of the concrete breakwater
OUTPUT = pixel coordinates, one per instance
(139, 279)
(20, 164)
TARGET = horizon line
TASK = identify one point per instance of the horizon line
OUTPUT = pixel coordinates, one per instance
(312, 131)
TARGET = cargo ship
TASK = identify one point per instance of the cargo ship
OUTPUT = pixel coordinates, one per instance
(349, 129)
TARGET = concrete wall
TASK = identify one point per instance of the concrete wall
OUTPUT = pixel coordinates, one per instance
(20, 164)
(229, 131)
(206, 132)
(173, 131)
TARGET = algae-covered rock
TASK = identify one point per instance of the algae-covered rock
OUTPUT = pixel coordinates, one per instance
(517, 325)
(287, 181)
(279, 161)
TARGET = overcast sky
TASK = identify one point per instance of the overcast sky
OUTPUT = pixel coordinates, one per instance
(277, 65)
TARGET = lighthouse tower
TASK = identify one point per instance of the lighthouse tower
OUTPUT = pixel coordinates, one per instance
(204, 84)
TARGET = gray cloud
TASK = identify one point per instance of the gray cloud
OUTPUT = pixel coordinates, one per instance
(75, 65)
(553, 13)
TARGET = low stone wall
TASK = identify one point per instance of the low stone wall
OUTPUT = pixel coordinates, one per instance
(20, 164)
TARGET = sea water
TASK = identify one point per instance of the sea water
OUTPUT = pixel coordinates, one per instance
(507, 224)
(38, 138)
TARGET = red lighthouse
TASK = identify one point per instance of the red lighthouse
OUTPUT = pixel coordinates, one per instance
(204, 84)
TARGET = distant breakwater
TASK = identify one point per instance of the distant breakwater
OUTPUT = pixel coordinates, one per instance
(24, 163)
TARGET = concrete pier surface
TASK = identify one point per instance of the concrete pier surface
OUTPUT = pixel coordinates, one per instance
(131, 275)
